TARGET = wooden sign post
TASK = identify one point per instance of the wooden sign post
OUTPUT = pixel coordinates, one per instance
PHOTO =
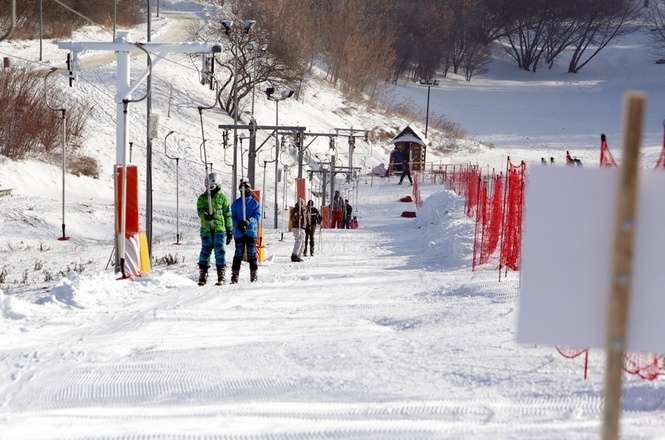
(622, 263)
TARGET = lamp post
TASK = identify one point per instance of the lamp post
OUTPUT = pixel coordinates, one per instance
(177, 188)
(285, 94)
(247, 26)
(429, 83)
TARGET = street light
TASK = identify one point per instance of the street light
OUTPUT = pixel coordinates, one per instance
(252, 48)
(177, 188)
(284, 94)
(429, 83)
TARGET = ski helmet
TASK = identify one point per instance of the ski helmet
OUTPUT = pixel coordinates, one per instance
(212, 181)
(244, 184)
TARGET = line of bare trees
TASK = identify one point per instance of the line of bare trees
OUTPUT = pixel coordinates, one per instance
(361, 43)
(455, 35)
(59, 22)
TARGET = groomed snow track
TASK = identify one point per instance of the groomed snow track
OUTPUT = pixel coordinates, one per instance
(385, 334)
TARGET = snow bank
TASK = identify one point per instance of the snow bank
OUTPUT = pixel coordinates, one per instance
(446, 233)
(10, 308)
(102, 289)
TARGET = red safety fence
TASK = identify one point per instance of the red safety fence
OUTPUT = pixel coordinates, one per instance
(661, 159)
(606, 158)
(511, 238)
(488, 218)
(495, 203)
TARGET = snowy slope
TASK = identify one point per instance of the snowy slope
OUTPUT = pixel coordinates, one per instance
(31, 218)
(372, 338)
(550, 110)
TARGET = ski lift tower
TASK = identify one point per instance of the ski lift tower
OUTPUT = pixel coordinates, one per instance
(124, 48)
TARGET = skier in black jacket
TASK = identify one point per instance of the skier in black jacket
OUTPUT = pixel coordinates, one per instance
(312, 220)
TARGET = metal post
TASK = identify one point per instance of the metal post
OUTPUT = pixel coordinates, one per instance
(64, 167)
(263, 192)
(276, 159)
(235, 129)
(332, 182)
(427, 111)
(253, 79)
(122, 92)
(251, 155)
(299, 140)
(148, 146)
(177, 200)
(115, 17)
(324, 186)
(41, 29)
(157, 8)
(352, 147)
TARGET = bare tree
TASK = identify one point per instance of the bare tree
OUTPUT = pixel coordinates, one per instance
(602, 21)
(248, 66)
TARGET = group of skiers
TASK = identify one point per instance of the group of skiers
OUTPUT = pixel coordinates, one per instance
(342, 213)
(304, 220)
(222, 222)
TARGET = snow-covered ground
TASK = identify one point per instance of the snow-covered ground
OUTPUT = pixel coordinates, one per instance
(385, 333)
(542, 114)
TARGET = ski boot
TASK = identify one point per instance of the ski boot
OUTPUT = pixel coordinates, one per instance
(221, 276)
(252, 276)
(234, 276)
(296, 259)
(203, 276)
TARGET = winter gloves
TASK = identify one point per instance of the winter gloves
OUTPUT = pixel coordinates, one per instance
(243, 226)
(229, 237)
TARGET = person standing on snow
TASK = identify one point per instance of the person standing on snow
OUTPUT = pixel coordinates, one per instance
(312, 220)
(246, 212)
(348, 211)
(337, 208)
(298, 225)
(406, 171)
(216, 225)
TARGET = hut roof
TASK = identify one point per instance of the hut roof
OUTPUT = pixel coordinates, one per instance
(410, 134)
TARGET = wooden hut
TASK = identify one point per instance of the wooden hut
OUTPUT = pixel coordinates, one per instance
(413, 145)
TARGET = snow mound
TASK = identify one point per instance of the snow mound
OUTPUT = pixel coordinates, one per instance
(84, 291)
(446, 233)
(10, 308)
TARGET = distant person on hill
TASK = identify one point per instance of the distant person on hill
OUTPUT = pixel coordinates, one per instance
(312, 220)
(551, 160)
(406, 172)
(348, 211)
(395, 161)
(337, 208)
(298, 225)
(543, 161)
(216, 224)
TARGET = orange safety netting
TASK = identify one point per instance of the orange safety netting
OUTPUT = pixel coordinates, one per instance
(489, 216)
(511, 238)
(496, 217)
(648, 366)
(481, 222)
(606, 158)
(661, 158)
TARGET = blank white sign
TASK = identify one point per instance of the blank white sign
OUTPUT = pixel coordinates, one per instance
(567, 259)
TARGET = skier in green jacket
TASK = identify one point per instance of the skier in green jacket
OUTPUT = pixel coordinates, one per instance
(216, 228)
